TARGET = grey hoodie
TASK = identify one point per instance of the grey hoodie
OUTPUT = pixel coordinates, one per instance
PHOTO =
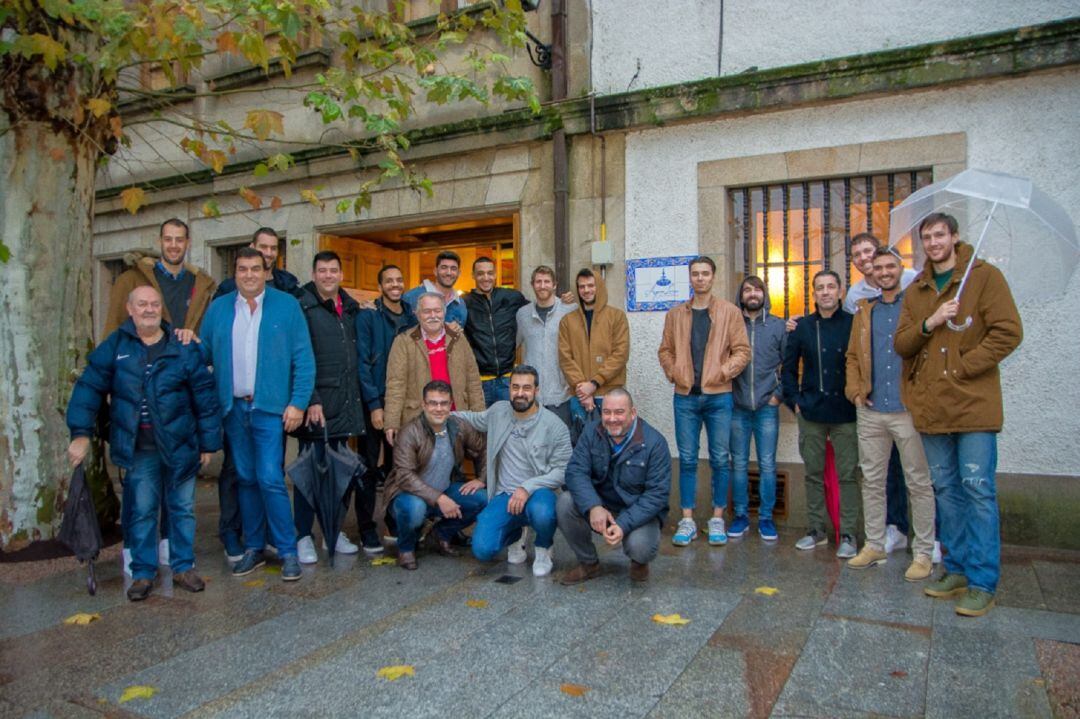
(761, 378)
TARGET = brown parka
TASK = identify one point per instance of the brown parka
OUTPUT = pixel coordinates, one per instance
(599, 355)
(141, 274)
(726, 354)
(950, 380)
(412, 452)
(408, 370)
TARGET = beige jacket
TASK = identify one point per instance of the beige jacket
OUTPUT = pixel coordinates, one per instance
(408, 370)
(599, 355)
(726, 354)
(141, 274)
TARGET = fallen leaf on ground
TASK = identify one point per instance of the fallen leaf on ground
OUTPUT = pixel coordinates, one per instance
(898, 674)
(574, 690)
(254, 582)
(674, 619)
(476, 603)
(138, 691)
(393, 673)
(82, 618)
(272, 569)
(383, 561)
(767, 591)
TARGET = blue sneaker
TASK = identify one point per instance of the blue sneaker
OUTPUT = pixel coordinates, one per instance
(290, 568)
(717, 535)
(767, 530)
(738, 527)
(685, 532)
(252, 560)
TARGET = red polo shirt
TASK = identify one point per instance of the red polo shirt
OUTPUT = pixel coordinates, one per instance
(436, 352)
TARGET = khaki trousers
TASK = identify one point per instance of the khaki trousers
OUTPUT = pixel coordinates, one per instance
(877, 433)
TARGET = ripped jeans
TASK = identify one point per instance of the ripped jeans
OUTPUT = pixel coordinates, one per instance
(962, 468)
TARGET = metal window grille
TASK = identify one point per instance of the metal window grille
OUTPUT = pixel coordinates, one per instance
(790, 231)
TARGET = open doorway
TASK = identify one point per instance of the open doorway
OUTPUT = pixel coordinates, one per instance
(414, 248)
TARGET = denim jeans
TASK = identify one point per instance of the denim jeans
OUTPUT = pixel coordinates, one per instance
(230, 527)
(763, 424)
(714, 411)
(148, 483)
(256, 439)
(578, 413)
(962, 468)
(496, 390)
(410, 512)
(496, 527)
(127, 503)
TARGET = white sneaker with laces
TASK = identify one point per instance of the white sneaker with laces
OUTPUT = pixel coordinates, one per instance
(936, 559)
(894, 539)
(305, 551)
(127, 561)
(343, 546)
(542, 563)
(515, 554)
(163, 552)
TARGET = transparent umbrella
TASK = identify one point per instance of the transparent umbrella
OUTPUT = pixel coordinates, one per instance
(1018, 228)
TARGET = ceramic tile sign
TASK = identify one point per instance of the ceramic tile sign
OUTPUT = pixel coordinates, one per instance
(656, 284)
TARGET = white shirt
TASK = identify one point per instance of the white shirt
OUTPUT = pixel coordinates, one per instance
(862, 291)
(245, 345)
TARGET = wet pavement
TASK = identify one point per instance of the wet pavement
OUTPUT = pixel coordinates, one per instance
(829, 642)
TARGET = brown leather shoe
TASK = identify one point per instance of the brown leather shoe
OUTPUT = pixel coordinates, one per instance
(580, 573)
(189, 580)
(443, 546)
(407, 560)
(638, 572)
(140, 590)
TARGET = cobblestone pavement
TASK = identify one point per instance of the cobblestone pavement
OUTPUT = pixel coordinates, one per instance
(829, 642)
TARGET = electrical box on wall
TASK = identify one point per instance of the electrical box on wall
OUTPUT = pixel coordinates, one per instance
(601, 253)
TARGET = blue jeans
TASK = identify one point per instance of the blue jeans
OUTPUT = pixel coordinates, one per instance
(578, 413)
(496, 390)
(714, 411)
(127, 502)
(147, 482)
(962, 468)
(410, 512)
(763, 424)
(256, 439)
(230, 527)
(496, 527)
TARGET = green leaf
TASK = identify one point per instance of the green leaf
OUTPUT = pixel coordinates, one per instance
(5, 252)
(261, 170)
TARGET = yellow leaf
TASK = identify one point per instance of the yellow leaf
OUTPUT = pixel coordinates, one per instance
(210, 209)
(383, 562)
(476, 603)
(674, 619)
(272, 569)
(251, 197)
(50, 50)
(574, 690)
(132, 199)
(99, 106)
(82, 618)
(310, 196)
(138, 691)
(254, 582)
(393, 673)
(265, 122)
(216, 159)
(767, 591)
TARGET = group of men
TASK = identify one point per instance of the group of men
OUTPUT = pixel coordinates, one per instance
(530, 397)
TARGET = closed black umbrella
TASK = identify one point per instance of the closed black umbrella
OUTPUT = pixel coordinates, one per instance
(80, 530)
(323, 475)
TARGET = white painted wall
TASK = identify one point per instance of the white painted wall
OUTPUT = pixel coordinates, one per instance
(1028, 126)
(679, 40)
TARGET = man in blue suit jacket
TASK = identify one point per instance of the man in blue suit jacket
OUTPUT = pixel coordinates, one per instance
(258, 341)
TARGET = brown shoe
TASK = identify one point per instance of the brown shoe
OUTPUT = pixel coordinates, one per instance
(140, 590)
(581, 573)
(407, 560)
(443, 547)
(189, 580)
(638, 572)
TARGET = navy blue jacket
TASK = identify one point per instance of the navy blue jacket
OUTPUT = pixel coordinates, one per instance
(374, 337)
(760, 380)
(282, 280)
(180, 392)
(640, 474)
(821, 345)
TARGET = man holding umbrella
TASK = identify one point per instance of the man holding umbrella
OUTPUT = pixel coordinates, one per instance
(952, 387)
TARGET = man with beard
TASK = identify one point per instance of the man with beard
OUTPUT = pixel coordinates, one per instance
(527, 451)
(447, 270)
(873, 386)
(617, 486)
(492, 329)
(538, 335)
(594, 344)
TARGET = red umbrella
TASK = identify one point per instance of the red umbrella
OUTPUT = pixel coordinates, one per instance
(832, 489)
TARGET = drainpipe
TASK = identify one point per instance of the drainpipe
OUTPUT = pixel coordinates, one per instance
(560, 153)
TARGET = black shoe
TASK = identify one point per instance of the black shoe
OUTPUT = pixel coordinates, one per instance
(252, 560)
(290, 568)
(369, 538)
(140, 589)
(460, 539)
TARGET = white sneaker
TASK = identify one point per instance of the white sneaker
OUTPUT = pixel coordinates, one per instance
(936, 559)
(542, 562)
(343, 546)
(894, 539)
(127, 561)
(305, 551)
(163, 552)
(516, 554)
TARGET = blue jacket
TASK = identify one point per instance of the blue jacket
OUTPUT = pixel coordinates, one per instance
(821, 345)
(282, 280)
(760, 380)
(374, 336)
(285, 372)
(641, 474)
(455, 311)
(180, 397)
